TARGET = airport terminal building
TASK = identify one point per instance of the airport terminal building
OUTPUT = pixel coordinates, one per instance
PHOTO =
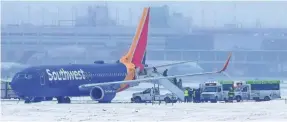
(257, 52)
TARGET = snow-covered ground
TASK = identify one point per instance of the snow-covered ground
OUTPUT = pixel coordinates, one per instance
(50, 111)
(83, 109)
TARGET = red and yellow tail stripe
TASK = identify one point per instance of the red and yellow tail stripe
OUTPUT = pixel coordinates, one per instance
(135, 54)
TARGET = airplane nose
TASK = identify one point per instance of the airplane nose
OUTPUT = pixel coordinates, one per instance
(17, 86)
(13, 84)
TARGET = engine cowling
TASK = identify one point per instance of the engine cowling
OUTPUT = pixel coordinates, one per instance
(102, 94)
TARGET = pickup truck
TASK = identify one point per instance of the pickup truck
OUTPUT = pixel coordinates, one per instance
(152, 94)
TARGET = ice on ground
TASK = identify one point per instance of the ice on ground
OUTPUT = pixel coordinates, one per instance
(50, 111)
(84, 110)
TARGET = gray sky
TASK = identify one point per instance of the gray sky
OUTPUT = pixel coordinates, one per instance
(271, 14)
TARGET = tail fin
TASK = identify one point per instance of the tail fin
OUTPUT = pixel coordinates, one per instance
(137, 49)
(226, 63)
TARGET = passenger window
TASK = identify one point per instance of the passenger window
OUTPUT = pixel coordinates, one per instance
(146, 91)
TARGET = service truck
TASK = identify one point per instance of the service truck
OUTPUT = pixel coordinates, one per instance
(218, 91)
(211, 91)
(153, 94)
(242, 90)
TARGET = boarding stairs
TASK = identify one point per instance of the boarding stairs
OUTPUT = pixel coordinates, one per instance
(166, 83)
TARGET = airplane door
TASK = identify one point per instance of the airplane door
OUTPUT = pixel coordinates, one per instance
(42, 79)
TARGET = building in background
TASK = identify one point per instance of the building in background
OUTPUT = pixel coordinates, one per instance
(258, 52)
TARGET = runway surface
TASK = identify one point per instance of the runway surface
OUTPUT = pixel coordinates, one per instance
(83, 109)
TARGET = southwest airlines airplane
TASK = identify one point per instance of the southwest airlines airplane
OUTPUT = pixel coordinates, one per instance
(100, 81)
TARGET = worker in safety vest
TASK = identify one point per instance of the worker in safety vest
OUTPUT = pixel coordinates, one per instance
(231, 93)
(186, 95)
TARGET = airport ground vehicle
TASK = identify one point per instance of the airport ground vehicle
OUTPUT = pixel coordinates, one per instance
(152, 94)
(218, 91)
(7, 92)
(211, 91)
(264, 90)
(242, 90)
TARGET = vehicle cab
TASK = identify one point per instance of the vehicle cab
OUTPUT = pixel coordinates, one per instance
(241, 90)
(211, 91)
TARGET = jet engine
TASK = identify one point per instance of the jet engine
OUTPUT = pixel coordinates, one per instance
(102, 94)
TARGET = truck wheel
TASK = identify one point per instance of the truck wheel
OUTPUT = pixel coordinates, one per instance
(137, 100)
(266, 98)
(225, 100)
(238, 98)
(167, 100)
(215, 100)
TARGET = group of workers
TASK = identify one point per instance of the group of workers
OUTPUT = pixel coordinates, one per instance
(174, 80)
(192, 95)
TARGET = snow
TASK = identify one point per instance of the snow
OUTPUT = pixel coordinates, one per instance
(83, 109)
(80, 110)
(50, 111)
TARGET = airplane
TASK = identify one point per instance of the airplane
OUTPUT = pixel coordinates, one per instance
(101, 81)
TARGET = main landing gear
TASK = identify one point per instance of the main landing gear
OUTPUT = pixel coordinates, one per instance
(40, 99)
(63, 100)
(32, 99)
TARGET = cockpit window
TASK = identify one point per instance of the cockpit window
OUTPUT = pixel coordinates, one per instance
(28, 76)
(24, 76)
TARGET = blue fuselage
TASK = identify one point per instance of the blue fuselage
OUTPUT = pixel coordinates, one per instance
(64, 80)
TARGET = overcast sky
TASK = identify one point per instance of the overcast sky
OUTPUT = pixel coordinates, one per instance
(270, 14)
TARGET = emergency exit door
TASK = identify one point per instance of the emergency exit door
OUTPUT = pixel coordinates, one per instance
(42, 79)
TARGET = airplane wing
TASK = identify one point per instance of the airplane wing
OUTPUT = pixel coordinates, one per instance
(158, 78)
(165, 65)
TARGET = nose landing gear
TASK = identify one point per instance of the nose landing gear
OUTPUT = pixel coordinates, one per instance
(33, 99)
(63, 100)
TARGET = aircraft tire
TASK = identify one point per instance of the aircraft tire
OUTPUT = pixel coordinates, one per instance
(48, 98)
(63, 100)
(67, 100)
(27, 101)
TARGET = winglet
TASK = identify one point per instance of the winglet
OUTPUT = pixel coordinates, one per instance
(226, 64)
